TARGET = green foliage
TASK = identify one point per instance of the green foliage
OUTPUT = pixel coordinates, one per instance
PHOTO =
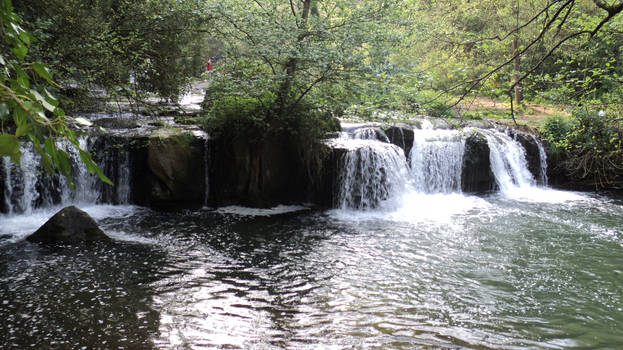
(235, 116)
(28, 111)
(436, 105)
(556, 128)
(285, 66)
(123, 47)
(592, 143)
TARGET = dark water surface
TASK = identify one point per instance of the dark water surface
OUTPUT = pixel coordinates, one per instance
(436, 271)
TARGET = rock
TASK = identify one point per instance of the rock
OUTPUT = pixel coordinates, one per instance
(477, 175)
(117, 123)
(256, 174)
(401, 136)
(3, 205)
(176, 169)
(69, 225)
(324, 177)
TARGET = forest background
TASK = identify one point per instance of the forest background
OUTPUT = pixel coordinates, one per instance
(290, 67)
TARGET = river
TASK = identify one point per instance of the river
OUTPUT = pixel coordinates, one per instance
(399, 264)
(451, 271)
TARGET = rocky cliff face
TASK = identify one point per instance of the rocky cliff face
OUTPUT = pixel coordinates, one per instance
(176, 166)
(476, 176)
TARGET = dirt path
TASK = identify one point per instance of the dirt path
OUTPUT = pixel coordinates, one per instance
(533, 114)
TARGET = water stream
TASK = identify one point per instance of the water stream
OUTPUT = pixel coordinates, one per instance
(404, 261)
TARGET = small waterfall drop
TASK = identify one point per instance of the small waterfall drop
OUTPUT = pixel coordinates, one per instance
(26, 186)
(436, 160)
(508, 162)
(543, 161)
(372, 172)
(370, 133)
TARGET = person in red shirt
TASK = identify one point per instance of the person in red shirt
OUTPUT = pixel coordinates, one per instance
(209, 65)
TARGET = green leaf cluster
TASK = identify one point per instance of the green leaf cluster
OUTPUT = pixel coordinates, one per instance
(592, 144)
(28, 111)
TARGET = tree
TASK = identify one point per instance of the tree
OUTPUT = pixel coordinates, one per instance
(125, 47)
(476, 35)
(28, 111)
(288, 67)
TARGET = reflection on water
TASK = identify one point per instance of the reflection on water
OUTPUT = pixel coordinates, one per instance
(448, 271)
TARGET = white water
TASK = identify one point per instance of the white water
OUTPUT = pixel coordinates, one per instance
(543, 157)
(375, 175)
(370, 133)
(373, 171)
(436, 161)
(28, 187)
(508, 162)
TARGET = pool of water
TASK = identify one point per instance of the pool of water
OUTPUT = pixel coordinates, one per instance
(539, 269)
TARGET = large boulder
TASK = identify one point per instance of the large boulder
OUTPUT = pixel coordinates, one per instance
(477, 175)
(69, 225)
(175, 170)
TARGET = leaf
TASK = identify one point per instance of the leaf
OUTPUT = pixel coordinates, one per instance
(20, 51)
(4, 111)
(46, 162)
(9, 146)
(63, 163)
(23, 130)
(42, 71)
(92, 167)
(42, 100)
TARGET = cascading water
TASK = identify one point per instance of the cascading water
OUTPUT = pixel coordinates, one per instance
(370, 133)
(508, 162)
(436, 160)
(206, 164)
(372, 171)
(27, 186)
(543, 161)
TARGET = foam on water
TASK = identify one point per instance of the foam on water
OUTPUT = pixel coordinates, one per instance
(416, 207)
(542, 195)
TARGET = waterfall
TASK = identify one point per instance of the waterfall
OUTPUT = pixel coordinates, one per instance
(508, 162)
(543, 159)
(370, 133)
(26, 186)
(436, 160)
(372, 171)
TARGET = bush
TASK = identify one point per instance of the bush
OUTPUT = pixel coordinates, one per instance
(593, 145)
(555, 128)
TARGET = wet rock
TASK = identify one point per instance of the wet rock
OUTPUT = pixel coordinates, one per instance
(477, 175)
(401, 136)
(176, 169)
(117, 123)
(257, 174)
(69, 225)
